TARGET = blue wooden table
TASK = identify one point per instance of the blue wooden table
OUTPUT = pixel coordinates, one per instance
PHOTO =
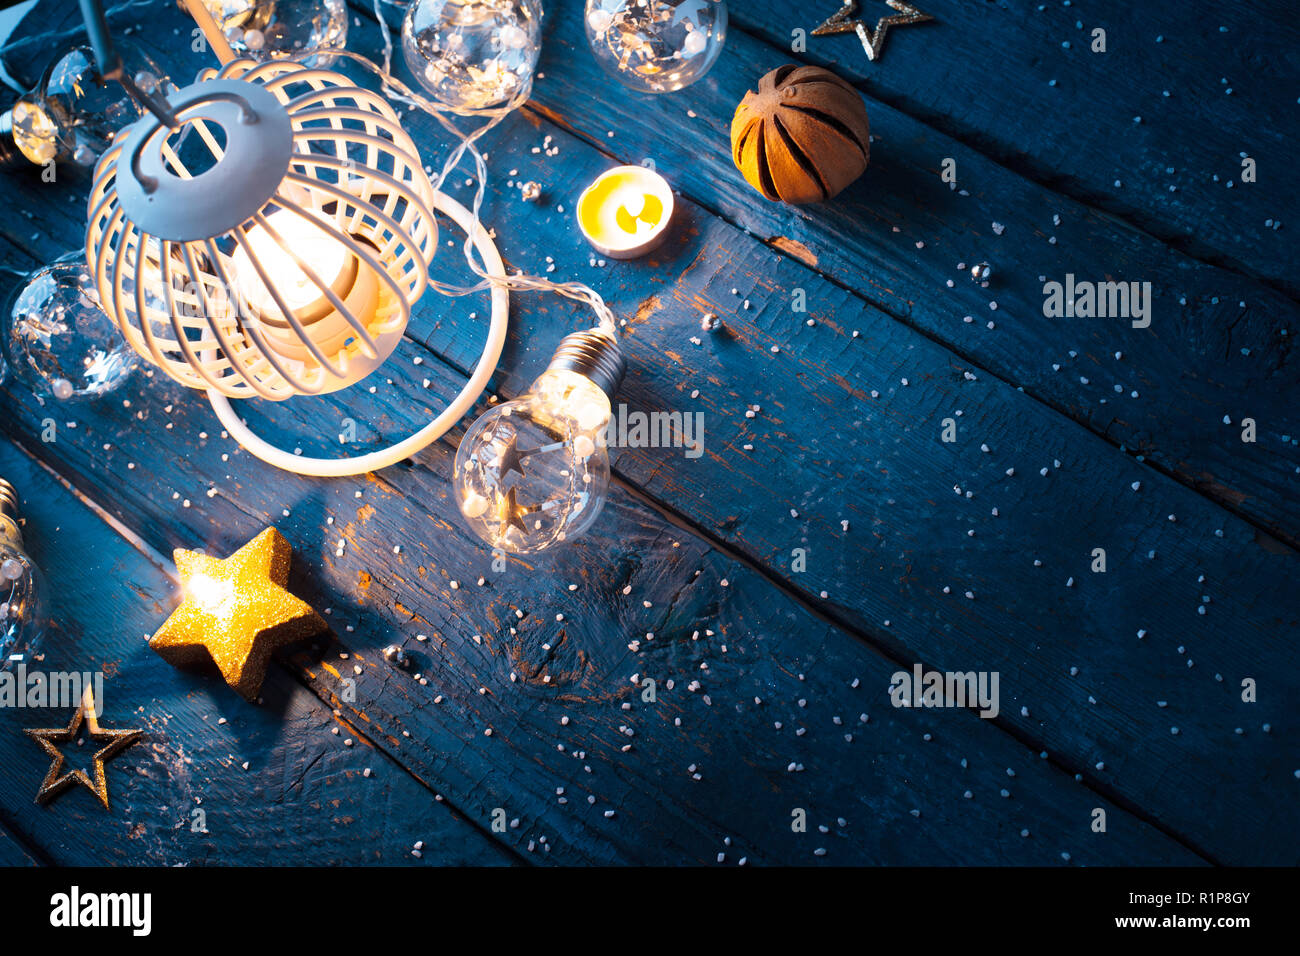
(827, 538)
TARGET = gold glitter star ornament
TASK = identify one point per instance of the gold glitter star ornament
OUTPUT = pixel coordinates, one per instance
(236, 612)
(873, 43)
(114, 741)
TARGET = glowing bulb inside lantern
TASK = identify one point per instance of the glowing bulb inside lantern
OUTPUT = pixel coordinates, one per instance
(533, 472)
(277, 247)
(322, 252)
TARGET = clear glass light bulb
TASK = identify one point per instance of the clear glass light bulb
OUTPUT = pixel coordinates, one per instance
(22, 588)
(325, 254)
(306, 30)
(472, 54)
(74, 114)
(656, 46)
(533, 472)
(58, 341)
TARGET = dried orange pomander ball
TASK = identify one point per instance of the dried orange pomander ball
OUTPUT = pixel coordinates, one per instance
(802, 137)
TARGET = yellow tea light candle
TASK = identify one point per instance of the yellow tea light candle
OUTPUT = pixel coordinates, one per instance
(625, 212)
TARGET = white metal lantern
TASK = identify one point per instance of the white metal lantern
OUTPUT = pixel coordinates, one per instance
(283, 259)
(265, 231)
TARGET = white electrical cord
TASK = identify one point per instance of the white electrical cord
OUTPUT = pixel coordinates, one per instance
(487, 363)
(399, 91)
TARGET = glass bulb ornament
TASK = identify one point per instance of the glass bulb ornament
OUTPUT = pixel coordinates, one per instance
(656, 46)
(73, 113)
(57, 340)
(304, 30)
(472, 54)
(22, 588)
(533, 472)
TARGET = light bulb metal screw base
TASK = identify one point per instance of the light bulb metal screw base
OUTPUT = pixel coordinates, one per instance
(9, 513)
(8, 500)
(595, 354)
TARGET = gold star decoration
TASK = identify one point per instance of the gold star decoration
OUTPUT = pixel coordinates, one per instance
(872, 42)
(235, 612)
(115, 741)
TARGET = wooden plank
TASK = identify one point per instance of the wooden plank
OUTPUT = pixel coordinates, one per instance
(1180, 94)
(13, 853)
(1239, 365)
(758, 655)
(796, 486)
(1218, 344)
(275, 785)
(463, 348)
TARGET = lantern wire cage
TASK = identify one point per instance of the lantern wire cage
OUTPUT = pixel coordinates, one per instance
(206, 305)
(265, 231)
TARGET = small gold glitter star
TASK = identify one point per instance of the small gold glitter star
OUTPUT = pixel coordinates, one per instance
(115, 741)
(873, 43)
(235, 612)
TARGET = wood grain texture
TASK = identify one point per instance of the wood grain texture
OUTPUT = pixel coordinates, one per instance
(496, 658)
(745, 504)
(13, 853)
(1152, 130)
(1219, 343)
(1216, 347)
(304, 794)
(826, 450)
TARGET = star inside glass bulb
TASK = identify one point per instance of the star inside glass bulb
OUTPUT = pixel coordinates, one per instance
(58, 340)
(305, 30)
(534, 472)
(74, 113)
